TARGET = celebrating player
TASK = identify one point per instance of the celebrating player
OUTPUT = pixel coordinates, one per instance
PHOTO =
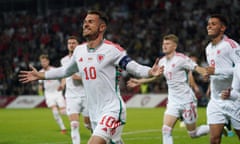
(53, 93)
(222, 54)
(182, 102)
(98, 61)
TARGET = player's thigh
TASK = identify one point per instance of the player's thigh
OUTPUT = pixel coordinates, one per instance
(215, 114)
(50, 102)
(110, 127)
(173, 110)
(73, 106)
(189, 113)
(61, 101)
(96, 140)
(216, 130)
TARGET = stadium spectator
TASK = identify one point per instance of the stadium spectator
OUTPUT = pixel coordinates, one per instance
(76, 101)
(182, 102)
(52, 93)
(99, 60)
(222, 54)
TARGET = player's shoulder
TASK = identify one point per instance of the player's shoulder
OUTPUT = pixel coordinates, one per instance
(84, 44)
(230, 42)
(181, 56)
(113, 45)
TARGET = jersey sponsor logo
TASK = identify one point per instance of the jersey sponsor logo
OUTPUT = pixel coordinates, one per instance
(100, 58)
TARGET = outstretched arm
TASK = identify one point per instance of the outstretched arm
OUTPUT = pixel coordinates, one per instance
(28, 76)
(144, 71)
(133, 82)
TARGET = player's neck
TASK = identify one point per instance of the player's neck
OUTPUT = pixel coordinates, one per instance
(70, 53)
(95, 43)
(46, 68)
(217, 39)
(170, 55)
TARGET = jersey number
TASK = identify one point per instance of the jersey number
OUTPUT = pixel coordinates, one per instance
(90, 73)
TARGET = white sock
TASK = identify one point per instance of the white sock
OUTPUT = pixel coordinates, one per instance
(199, 131)
(202, 130)
(167, 135)
(75, 132)
(58, 119)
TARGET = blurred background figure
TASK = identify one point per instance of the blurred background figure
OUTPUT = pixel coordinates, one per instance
(53, 93)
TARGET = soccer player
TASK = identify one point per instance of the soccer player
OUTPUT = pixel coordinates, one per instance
(98, 61)
(53, 93)
(182, 102)
(75, 95)
(222, 54)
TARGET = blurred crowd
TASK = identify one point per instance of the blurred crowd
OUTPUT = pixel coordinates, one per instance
(137, 25)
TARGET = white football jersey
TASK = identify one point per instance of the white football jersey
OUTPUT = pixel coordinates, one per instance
(50, 86)
(222, 57)
(99, 72)
(235, 92)
(74, 88)
(176, 74)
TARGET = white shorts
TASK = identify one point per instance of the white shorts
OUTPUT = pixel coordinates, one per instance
(110, 127)
(55, 98)
(187, 111)
(76, 105)
(221, 113)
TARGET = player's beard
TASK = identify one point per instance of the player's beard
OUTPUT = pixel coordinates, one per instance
(91, 36)
(214, 35)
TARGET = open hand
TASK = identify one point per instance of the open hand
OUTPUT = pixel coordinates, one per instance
(28, 76)
(156, 70)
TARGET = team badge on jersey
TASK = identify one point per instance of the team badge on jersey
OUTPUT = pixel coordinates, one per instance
(80, 59)
(100, 58)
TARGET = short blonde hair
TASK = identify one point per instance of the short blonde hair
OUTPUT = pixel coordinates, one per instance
(171, 37)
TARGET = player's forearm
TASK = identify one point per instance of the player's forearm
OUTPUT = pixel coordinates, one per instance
(58, 73)
(147, 80)
(41, 75)
(137, 69)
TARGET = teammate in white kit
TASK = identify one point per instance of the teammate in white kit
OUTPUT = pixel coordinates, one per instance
(53, 93)
(233, 94)
(98, 61)
(222, 54)
(75, 95)
(182, 102)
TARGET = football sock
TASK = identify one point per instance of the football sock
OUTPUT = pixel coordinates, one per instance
(75, 132)
(58, 119)
(167, 135)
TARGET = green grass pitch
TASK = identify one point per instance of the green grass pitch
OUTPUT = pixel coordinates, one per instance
(37, 126)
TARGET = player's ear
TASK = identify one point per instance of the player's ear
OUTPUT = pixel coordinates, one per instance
(103, 27)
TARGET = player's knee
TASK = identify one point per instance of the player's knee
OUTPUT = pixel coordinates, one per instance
(74, 124)
(63, 111)
(166, 130)
(193, 134)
